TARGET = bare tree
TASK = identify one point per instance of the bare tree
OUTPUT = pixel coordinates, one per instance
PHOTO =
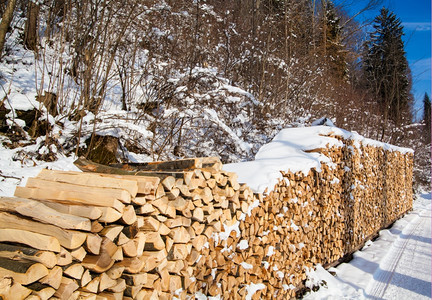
(5, 22)
(31, 26)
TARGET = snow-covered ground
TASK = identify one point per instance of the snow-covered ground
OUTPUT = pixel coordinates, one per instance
(397, 265)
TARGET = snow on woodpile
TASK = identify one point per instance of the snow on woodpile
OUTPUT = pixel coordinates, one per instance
(291, 150)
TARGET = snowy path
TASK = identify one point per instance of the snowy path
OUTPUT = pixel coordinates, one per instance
(396, 266)
(402, 274)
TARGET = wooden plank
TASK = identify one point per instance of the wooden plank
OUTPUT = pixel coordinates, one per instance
(38, 211)
(89, 166)
(84, 197)
(90, 180)
(102, 196)
(83, 211)
(32, 239)
(67, 238)
(174, 165)
(146, 185)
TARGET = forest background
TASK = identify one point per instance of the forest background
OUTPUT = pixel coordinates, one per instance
(119, 81)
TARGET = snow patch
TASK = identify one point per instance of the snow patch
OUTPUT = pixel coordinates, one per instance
(252, 289)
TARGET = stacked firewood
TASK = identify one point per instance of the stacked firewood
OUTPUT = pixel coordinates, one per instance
(75, 235)
(187, 228)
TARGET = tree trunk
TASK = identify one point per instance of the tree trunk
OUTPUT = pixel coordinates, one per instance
(30, 33)
(5, 22)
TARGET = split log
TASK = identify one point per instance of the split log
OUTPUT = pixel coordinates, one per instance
(102, 262)
(41, 291)
(22, 272)
(53, 278)
(66, 289)
(10, 289)
(67, 238)
(41, 212)
(73, 194)
(75, 271)
(21, 253)
(34, 240)
(89, 180)
(86, 212)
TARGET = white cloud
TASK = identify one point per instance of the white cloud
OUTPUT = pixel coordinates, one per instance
(421, 68)
(417, 26)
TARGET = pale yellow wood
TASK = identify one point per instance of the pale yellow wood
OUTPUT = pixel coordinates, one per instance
(67, 288)
(32, 274)
(168, 183)
(145, 209)
(64, 257)
(106, 282)
(73, 194)
(84, 211)
(47, 258)
(181, 251)
(198, 214)
(92, 286)
(119, 287)
(111, 231)
(153, 241)
(90, 180)
(148, 294)
(45, 294)
(75, 271)
(130, 249)
(139, 241)
(199, 242)
(38, 211)
(132, 265)
(109, 215)
(10, 289)
(150, 224)
(163, 229)
(53, 278)
(128, 216)
(180, 235)
(93, 243)
(115, 272)
(86, 278)
(110, 296)
(163, 205)
(179, 203)
(32, 239)
(178, 221)
(146, 185)
(175, 267)
(67, 238)
(118, 255)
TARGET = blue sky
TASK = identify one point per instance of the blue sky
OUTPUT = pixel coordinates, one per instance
(416, 19)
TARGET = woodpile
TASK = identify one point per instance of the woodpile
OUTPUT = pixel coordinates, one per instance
(184, 228)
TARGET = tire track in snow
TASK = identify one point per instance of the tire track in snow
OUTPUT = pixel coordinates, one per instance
(384, 274)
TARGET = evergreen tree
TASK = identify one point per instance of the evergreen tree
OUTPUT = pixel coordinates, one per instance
(386, 68)
(427, 117)
(333, 50)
